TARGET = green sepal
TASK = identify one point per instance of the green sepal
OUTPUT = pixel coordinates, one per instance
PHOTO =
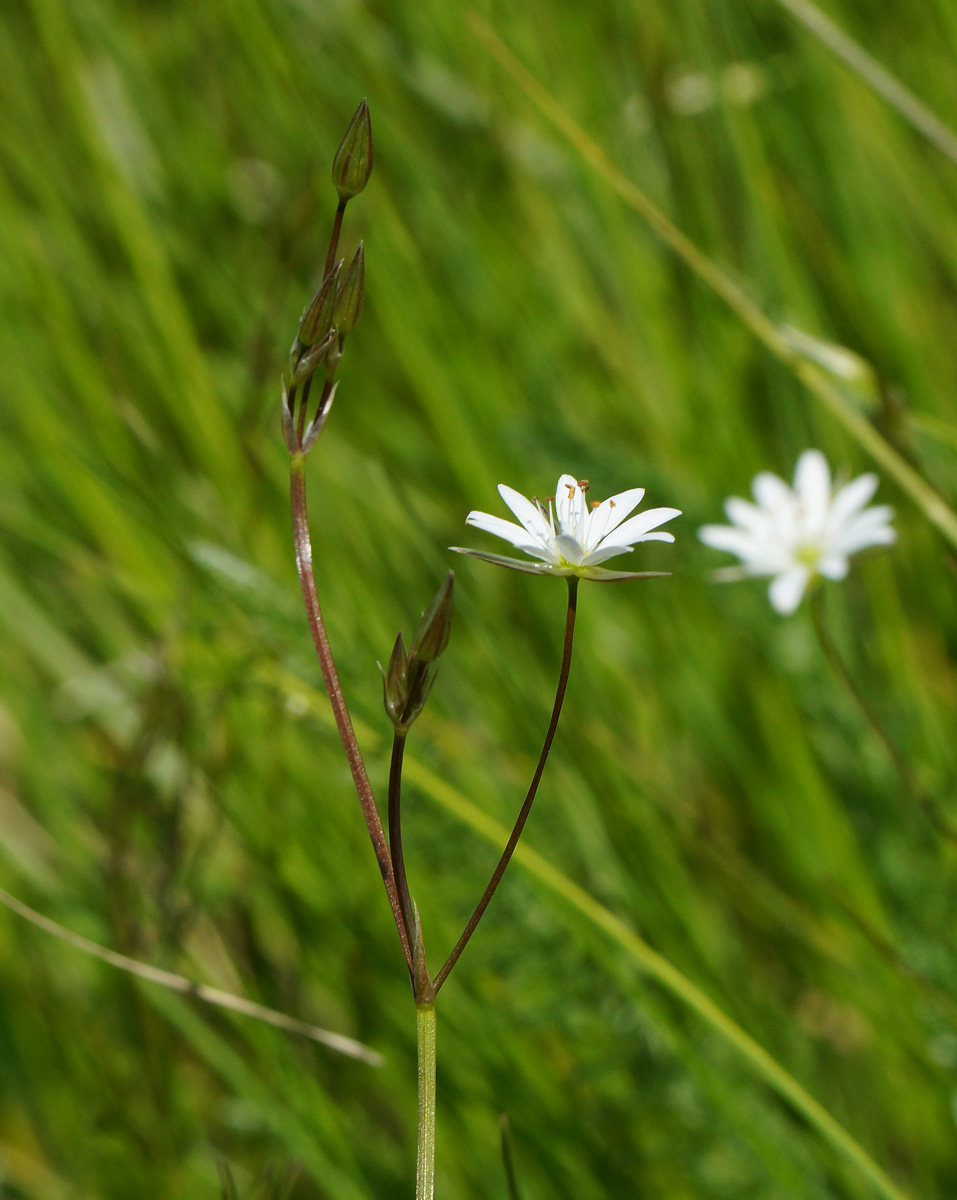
(351, 295)
(598, 574)
(432, 635)
(317, 319)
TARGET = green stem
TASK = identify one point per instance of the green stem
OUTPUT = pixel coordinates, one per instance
(511, 1179)
(509, 850)
(843, 673)
(425, 1157)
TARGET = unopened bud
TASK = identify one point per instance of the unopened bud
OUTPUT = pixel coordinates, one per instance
(432, 635)
(317, 319)
(406, 684)
(352, 165)
(394, 692)
(313, 356)
(351, 295)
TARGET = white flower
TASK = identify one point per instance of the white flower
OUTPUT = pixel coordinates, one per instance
(797, 534)
(569, 537)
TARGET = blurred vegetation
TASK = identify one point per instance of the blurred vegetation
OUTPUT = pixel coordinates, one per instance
(170, 782)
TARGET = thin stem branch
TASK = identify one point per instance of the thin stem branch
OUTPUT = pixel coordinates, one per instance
(879, 78)
(188, 987)
(425, 1156)
(395, 833)
(840, 668)
(519, 826)
(307, 580)
(508, 1161)
(334, 239)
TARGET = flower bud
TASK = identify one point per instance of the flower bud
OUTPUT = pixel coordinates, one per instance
(408, 679)
(351, 295)
(312, 357)
(432, 635)
(317, 319)
(419, 681)
(352, 165)
(394, 691)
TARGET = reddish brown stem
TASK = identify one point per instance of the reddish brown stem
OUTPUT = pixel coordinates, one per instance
(509, 850)
(334, 239)
(307, 580)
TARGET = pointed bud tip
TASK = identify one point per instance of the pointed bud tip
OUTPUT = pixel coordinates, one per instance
(432, 634)
(317, 319)
(395, 691)
(352, 164)
(352, 294)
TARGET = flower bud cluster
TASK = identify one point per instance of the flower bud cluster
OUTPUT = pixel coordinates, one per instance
(407, 680)
(335, 309)
(332, 313)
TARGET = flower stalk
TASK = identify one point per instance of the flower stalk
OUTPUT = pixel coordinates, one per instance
(530, 795)
(843, 674)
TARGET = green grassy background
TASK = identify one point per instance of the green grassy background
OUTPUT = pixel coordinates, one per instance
(170, 784)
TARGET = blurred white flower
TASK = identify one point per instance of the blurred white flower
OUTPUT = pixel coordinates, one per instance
(797, 534)
(567, 536)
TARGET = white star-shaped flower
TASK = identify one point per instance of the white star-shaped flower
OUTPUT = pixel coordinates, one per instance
(799, 533)
(568, 536)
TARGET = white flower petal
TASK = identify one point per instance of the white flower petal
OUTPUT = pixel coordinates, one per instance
(610, 514)
(510, 532)
(635, 528)
(834, 566)
(660, 535)
(869, 528)
(850, 498)
(758, 555)
(529, 514)
(610, 547)
(604, 551)
(735, 541)
(812, 484)
(570, 549)
(568, 503)
(787, 589)
(744, 513)
(770, 491)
